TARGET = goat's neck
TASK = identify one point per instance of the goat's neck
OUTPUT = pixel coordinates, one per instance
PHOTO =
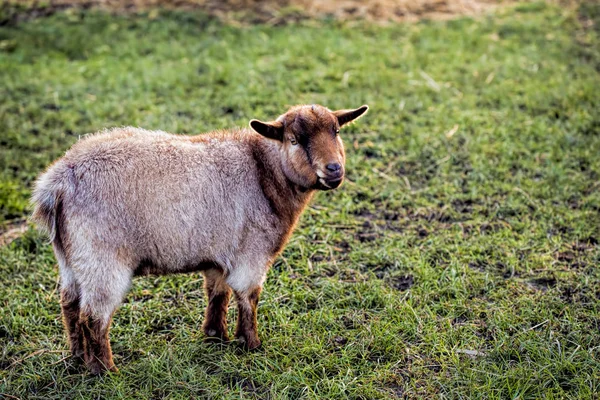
(287, 199)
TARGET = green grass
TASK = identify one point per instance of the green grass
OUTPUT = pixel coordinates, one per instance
(484, 241)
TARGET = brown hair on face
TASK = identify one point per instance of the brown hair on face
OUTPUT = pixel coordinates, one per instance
(315, 130)
(311, 146)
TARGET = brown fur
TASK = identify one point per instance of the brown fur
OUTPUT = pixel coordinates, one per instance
(130, 202)
(247, 330)
(218, 294)
(70, 312)
(97, 352)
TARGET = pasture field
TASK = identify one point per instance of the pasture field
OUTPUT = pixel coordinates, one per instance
(459, 260)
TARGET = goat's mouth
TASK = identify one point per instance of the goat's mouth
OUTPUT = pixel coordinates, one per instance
(328, 184)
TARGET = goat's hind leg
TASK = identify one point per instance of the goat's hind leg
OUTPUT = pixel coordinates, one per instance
(69, 302)
(98, 354)
(101, 293)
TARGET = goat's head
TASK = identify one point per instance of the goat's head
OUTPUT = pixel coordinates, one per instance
(311, 149)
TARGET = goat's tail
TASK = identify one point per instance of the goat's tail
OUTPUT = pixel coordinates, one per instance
(47, 197)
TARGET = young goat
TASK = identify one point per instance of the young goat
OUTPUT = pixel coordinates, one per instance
(129, 202)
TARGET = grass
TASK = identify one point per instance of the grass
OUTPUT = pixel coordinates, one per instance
(460, 261)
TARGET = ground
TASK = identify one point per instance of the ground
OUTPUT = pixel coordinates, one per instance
(459, 260)
(274, 12)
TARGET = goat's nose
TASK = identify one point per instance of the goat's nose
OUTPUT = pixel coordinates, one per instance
(333, 167)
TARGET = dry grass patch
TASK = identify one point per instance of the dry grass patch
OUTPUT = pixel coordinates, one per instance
(283, 11)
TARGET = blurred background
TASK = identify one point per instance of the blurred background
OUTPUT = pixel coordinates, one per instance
(281, 11)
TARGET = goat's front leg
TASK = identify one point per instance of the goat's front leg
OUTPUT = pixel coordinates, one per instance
(247, 330)
(218, 293)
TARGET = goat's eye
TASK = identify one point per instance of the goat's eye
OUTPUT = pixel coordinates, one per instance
(336, 130)
(293, 141)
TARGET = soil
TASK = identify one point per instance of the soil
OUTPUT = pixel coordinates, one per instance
(11, 231)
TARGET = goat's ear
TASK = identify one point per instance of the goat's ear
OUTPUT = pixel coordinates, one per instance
(346, 116)
(271, 130)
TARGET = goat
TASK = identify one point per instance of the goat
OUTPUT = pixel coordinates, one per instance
(127, 202)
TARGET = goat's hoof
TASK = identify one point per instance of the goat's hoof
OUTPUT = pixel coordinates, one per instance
(77, 358)
(215, 336)
(249, 343)
(98, 369)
